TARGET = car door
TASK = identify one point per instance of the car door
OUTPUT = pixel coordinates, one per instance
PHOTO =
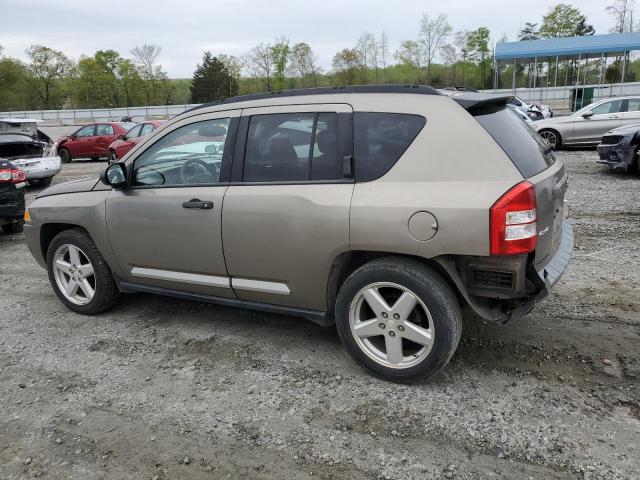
(105, 134)
(286, 213)
(165, 229)
(631, 114)
(128, 141)
(591, 125)
(79, 143)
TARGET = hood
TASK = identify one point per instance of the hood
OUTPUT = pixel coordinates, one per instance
(624, 130)
(62, 139)
(547, 122)
(74, 186)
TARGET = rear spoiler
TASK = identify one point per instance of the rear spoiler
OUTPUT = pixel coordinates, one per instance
(473, 101)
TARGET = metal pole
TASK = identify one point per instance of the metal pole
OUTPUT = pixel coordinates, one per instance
(575, 91)
(624, 64)
(535, 71)
(566, 81)
(555, 81)
(513, 81)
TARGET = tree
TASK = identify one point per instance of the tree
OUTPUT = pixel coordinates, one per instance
(259, 63)
(433, 32)
(280, 51)
(368, 48)
(212, 81)
(14, 86)
(410, 53)
(478, 47)
(584, 29)
(303, 63)
(47, 67)
(346, 64)
(146, 58)
(562, 21)
(529, 32)
(622, 13)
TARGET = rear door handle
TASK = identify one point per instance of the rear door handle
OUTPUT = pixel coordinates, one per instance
(197, 203)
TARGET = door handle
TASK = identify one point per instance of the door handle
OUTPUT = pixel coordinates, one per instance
(197, 203)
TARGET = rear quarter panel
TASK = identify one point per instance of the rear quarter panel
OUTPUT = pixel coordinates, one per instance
(453, 169)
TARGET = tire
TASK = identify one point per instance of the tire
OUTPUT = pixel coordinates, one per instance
(65, 155)
(552, 138)
(15, 227)
(95, 159)
(41, 182)
(112, 158)
(105, 291)
(436, 310)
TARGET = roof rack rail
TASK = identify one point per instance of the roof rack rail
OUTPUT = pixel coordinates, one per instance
(419, 89)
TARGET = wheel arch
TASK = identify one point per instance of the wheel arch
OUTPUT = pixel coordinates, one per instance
(48, 231)
(348, 262)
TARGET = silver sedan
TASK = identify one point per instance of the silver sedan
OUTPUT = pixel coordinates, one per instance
(586, 126)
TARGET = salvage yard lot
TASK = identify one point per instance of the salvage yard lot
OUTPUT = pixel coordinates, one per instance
(164, 388)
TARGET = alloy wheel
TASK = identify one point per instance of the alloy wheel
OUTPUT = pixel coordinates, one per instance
(391, 325)
(550, 138)
(74, 274)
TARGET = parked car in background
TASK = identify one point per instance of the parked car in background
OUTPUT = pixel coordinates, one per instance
(522, 114)
(30, 149)
(537, 112)
(12, 183)
(130, 139)
(619, 149)
(91, 141)
(587, 126)
(357, 206)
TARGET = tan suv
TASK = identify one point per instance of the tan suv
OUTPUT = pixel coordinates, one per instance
(382, 209)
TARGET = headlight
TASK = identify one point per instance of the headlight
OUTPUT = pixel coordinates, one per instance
(50, 150)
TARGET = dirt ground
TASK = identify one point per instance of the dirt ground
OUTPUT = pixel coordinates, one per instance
(160, 388)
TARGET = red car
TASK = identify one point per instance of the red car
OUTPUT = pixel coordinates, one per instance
(91, 140)
(126, 142)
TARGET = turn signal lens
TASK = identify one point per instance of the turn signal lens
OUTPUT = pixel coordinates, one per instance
(27, 215)
(514, 225)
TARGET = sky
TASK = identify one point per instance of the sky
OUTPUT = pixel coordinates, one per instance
(186, 28)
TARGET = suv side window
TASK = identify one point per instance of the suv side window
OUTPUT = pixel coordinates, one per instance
(607, 107)
(287, 147)
(634, 105)
(189, 155)
(380, 139)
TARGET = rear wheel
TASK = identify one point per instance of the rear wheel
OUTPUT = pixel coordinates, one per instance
(78, 273)
(65, 156)
(41, 182)
(399, 319)
(95, 159)
(552, 138)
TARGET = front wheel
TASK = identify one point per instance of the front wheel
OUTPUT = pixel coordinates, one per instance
(65, 156)
(78, 273)
(399, 319)
(552, 138)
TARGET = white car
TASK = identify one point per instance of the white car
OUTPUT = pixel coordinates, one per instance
(30, 149)
(543, 110)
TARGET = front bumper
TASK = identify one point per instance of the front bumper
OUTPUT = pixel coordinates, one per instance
(617, 156)
(41, 167)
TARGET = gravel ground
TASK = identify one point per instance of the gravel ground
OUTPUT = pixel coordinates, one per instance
(160, 388)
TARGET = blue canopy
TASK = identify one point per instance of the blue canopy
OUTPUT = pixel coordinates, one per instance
(587, 46)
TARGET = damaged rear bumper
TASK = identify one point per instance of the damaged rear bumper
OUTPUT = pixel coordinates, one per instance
(618, 156)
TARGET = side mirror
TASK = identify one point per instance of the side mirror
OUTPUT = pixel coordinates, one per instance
(115, 175)
(121, 137)
(587, 114)
(73, 136)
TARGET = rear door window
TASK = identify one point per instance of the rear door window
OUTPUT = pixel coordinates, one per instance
(607, 107)
(380, 139)
(526, 149)
(104, 130)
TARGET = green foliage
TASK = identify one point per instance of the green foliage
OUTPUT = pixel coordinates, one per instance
(212, 81)
(564, 21)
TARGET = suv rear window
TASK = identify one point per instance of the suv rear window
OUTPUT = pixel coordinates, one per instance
(380, 139)
(528, 152)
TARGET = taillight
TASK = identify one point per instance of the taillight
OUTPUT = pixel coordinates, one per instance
(12, 175)
(514, 221)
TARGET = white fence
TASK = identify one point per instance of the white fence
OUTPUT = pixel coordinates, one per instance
(81, 116)
(559, 98)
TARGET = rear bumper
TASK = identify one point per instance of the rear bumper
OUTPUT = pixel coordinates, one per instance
(11, 206)
(44, 167)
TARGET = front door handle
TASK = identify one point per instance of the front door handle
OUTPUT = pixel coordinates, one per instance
(197, 203)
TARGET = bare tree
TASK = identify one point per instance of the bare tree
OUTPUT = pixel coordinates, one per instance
(146, 58)
(433, 32)
(259, 63)
(383, 47)
(346, 64)
(622, 13)
(303, 63)
(366, 46)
